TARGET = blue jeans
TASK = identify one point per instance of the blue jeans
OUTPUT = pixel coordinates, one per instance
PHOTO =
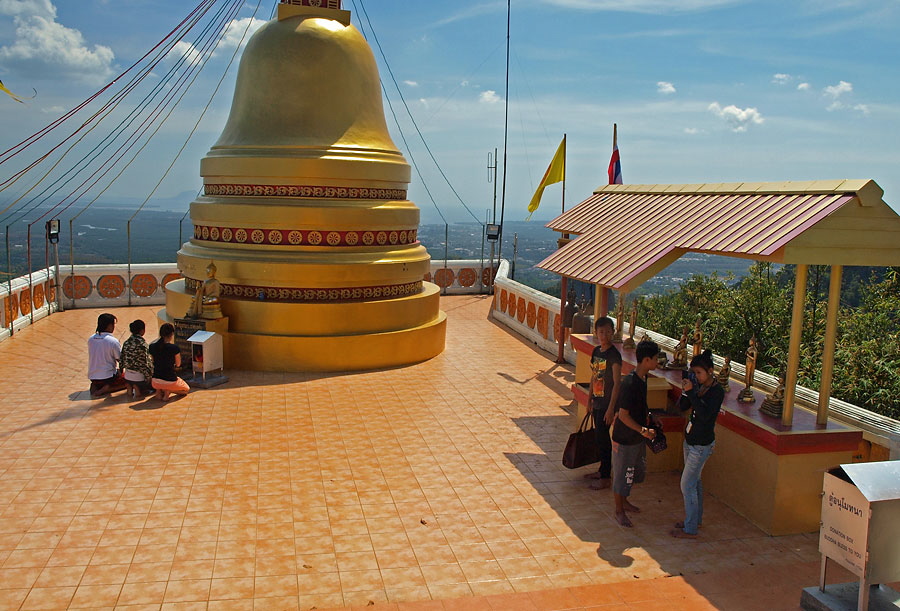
(691, 488)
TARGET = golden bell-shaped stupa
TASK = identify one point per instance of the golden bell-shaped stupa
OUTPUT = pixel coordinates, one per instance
(304, 210)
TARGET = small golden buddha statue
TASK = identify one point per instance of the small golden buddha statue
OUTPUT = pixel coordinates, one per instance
(679, 356)
(773, 404)
(698, 339)
(206, 300)
(724, 374)
(632, 325)
(752, 353)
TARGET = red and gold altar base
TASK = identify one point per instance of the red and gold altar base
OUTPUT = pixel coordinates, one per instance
(304, 211)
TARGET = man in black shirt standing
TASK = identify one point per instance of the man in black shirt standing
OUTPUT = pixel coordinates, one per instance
(606, 372)
(629, 449)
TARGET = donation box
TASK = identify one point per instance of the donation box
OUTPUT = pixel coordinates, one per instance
(861, 520)
(206, 352)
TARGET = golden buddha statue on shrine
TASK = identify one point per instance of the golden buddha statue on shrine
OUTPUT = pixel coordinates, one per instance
(206, 299)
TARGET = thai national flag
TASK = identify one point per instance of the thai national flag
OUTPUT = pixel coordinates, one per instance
(615, 167)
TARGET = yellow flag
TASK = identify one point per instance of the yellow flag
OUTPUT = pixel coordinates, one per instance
(10, 93)
(555, 173)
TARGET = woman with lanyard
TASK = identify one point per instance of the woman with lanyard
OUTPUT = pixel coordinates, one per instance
(703, 395)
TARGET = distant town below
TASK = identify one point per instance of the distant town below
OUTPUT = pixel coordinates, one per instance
(100, 237)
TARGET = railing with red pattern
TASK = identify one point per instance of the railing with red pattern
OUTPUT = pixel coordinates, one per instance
(96, 286)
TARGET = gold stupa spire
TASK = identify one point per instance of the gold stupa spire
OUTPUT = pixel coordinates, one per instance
(305, 210)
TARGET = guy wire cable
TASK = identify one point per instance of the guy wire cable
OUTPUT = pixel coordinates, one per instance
(206, 108)
(412, 159)
(116, 97)
(148, 122)
(15, 149)
(113, 134)
(402, 99)
(212, 96)
(236, 7)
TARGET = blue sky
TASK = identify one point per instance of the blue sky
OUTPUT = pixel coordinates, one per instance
(702, 90)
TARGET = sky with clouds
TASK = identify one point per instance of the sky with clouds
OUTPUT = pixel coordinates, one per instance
(701, 90)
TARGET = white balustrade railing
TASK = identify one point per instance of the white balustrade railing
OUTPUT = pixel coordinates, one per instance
(530, 313)
(525, 311)
(26, 300)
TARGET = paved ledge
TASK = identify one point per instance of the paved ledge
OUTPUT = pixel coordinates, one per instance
(435, 486)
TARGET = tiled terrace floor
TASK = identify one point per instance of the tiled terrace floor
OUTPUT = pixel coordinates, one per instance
(439, 482)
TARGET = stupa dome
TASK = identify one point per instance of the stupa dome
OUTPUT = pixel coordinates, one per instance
(305, 212)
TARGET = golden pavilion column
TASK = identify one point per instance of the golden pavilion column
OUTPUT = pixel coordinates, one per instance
(831, 320)
(790, 384)
(601, 301)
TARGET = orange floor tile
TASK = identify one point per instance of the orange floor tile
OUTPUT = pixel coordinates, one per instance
(436, 486)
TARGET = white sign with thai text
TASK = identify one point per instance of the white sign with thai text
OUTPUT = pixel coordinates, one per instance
(845, 525)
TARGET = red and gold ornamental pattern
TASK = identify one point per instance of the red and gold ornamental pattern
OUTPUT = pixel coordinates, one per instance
(304, 237)
(11, 308)
(25, 302)
(144, 285)
(335, 4)
(295, 294)
(37, 296)
(467, 277)
(444, 277)
(110, 287)
(308, 191)
(77, 287)
(526, 312)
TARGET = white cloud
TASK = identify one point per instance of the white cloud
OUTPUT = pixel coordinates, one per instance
(187, 50)
(738, 118)
(488, 97)
(411, 83)
(464, 84)
(27, 8)
(231, 37)
(234, 30)
(781, 78)
(54, 110)
(665, 87)
(44, 48)
(803, 87)
(836, 91)
(691, 131)
(642, 6)
(424, 102)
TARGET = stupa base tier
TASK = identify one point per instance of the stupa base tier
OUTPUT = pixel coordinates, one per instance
(258, 352)
(265, 317)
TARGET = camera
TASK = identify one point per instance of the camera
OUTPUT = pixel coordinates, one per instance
(687, 374)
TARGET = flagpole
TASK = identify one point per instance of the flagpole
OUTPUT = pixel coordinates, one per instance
(505, 136)
(602, 294)
(564, 174)
(563, 285)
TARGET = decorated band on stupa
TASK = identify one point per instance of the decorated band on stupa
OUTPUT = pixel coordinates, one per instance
(305, 211)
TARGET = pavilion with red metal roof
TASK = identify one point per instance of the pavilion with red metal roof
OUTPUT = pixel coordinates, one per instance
(623, 235)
